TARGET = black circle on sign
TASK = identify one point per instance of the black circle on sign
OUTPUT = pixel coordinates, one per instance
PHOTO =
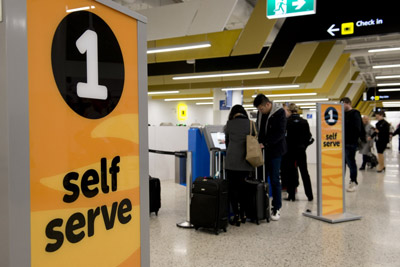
(69, 65)
(331, 116)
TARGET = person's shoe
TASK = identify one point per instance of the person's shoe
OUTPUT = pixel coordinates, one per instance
(291, 198)
(310, 198)
(352, 187)
(384, 169)
(275, 215)
(235, 220)
(362, 168)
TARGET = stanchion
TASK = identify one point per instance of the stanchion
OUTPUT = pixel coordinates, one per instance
(187, 224)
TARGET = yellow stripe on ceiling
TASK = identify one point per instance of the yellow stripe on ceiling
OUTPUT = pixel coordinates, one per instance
(346, 90)
(335, 73)
(221, 46)
(255, 32)
(298, 59)
(314, 65)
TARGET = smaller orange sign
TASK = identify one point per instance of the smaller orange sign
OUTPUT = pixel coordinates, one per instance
(332, 159)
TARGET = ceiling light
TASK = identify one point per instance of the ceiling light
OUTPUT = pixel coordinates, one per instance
(387, 77)
(230, 74)
(391, 104)
(302, 100)
(188, 98)
(80, 9)
(282, 95)
(389, 90)
(306, 104)
(205, 103)
(163, 92)
(307, 107)
(251, 109)
(178, 47)
(388, 84)
(384, 50)
(262, 87)
(386, 66)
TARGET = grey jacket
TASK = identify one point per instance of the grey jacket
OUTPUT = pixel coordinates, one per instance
(365, 148)
(236, 131)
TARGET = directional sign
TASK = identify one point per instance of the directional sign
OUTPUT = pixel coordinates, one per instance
(289, 8)
(349, 28)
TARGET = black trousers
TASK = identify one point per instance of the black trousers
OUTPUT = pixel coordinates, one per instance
(298, 158)
(236, 180)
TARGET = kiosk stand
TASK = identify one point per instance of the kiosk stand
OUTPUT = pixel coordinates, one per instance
(331, 165)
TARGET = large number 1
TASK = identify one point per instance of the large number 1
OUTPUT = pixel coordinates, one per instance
(87, 43)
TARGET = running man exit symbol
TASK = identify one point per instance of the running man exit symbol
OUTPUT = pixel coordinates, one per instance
(289, 8)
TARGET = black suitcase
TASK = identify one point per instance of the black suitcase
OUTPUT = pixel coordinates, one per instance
(155, 194)
(257, 207)
(209, 204)
(257, 201)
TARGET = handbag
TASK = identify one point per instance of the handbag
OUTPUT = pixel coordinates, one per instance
(254, 154)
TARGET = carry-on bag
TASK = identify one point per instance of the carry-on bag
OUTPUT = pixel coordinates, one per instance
(155, 194)
(257, 207)
(373, 161)
(209, 204)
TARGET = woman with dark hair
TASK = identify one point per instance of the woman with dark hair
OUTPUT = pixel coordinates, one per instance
(237, 168)
(381, 135)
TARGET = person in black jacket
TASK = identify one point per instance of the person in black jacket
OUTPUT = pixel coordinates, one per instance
(271, 122)
(236, 166)
(354, 129)
(382, 129)
(298, 138)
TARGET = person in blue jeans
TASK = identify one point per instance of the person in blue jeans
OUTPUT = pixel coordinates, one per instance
(354, 130)
(271, 123)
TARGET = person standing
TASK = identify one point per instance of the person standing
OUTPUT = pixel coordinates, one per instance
(236, 166)
(365, 147)
(397, 132)
(271, 122)
(354, 130)
(298, 138)
(382, 129)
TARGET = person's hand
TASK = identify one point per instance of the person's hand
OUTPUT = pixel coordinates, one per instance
(261, 145)
(376, 130)
(369, 138)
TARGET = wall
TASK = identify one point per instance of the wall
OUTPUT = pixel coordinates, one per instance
(161, 111)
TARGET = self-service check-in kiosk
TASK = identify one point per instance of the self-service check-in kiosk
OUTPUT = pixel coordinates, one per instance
(215, 139)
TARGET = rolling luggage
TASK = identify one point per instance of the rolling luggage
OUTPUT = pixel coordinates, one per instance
(155, 194)
(209, 204)
(373, 161)
(257, 206)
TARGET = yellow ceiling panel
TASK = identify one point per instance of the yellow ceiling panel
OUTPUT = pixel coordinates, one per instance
(221, 46)
(255, 32)
(314, 65)
(298, 59)
(335, 73)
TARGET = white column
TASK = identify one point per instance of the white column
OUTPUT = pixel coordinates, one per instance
(237, 98)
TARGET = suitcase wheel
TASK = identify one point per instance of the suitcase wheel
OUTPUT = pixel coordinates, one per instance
(196, 228)
(224, 230)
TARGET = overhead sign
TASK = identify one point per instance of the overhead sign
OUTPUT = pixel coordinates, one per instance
(290, 8)
(84, 134)
(350, 28)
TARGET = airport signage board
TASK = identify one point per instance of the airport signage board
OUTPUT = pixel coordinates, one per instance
(84, 134)
(290, 8)
(331, 164)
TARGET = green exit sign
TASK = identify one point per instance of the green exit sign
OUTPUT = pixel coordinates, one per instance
(289, 8)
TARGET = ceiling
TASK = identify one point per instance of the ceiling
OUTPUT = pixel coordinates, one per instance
(243, 38)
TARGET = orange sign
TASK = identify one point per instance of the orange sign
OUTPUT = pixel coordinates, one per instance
(84, 137)
(332, 159)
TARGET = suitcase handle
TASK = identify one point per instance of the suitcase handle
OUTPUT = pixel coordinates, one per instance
(263, 166)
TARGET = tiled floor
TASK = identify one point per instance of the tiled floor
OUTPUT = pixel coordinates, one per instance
(295, 240)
